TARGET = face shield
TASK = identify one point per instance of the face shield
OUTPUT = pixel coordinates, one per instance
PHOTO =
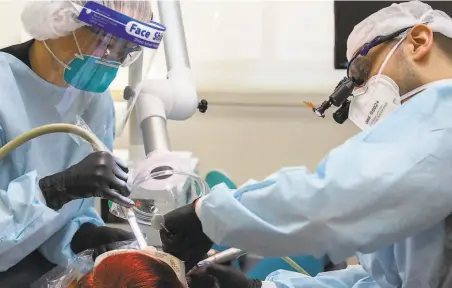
(89, 60)
(110, 41)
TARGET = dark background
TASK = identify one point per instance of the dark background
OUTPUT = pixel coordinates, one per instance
(349, 13)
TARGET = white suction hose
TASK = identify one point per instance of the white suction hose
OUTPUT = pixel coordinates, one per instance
(49, 129)
(92, 140)
(97, 146)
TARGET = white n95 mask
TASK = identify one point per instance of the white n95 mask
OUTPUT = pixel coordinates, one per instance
(374, 101)
(377, 98)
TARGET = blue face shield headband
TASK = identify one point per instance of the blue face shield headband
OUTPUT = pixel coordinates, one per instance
(102, 51)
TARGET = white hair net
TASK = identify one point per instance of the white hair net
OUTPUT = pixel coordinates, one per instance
(395, 17)
(50, 19)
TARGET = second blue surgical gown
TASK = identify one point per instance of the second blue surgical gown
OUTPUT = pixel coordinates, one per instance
(385, 194)
(27, 101)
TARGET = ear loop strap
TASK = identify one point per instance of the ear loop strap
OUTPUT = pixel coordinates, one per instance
(386, 62)
(389, 57)
(80, 54)
(414, 92)
(55, 57)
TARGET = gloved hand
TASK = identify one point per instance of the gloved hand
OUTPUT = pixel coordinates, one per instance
(226, 276)
(186, 239)
(98, 175)
(99, 238)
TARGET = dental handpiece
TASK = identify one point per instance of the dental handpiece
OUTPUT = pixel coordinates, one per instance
(222, 257)
(158, 223)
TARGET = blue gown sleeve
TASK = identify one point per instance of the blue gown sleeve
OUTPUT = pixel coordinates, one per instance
(353, 276)
(383, 185)
(22, 215)
(57, 249)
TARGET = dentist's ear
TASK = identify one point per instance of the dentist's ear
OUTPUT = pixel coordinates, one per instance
(419, 42)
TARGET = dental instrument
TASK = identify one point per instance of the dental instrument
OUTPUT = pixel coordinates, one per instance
(222, 257)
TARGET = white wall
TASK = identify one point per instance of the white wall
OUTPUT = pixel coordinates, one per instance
(253, 142)
(249, 140)
(11, 32)
(262, 45)
(268, 56)
(256, 62)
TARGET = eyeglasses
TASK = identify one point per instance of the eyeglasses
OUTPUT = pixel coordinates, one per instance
(366, 48)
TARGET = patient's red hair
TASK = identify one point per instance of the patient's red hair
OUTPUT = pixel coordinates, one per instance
(131, 270)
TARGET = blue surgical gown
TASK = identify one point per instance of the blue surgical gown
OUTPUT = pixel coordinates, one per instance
(27, 101)
(384, 194)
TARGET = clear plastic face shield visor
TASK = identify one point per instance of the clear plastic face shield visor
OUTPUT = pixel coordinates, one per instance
(88, 60)
(110, 41)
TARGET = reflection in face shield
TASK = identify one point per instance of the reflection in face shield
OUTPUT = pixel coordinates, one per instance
(115, 49)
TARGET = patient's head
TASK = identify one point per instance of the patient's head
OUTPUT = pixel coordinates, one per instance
(132, 269)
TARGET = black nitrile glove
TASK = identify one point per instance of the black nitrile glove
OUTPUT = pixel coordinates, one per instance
(98, 175)
(186, 239)
(99, 238)
(226, 276)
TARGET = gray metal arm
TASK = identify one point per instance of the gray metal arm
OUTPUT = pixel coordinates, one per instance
(175, 43)
(153, 128)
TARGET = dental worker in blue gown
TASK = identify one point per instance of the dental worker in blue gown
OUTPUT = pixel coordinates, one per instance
(384, 195)
(47, 185)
